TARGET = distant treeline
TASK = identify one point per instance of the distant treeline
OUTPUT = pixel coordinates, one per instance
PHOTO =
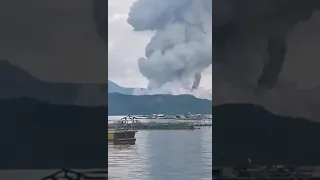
(120, 104)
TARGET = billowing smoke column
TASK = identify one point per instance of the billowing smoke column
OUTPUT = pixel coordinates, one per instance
(253, 24)
(182, 45)
(250, 43)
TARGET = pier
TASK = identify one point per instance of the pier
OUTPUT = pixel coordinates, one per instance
(130, 122)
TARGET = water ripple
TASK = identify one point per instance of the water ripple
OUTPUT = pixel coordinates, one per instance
(163, 155)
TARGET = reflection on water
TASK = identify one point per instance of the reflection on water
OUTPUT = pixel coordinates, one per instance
(163, 155)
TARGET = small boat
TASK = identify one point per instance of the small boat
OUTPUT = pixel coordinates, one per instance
(122, 133)
(122, 136)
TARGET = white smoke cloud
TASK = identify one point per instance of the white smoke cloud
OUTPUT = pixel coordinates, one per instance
(181, 46)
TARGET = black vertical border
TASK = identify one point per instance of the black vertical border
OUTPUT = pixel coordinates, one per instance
(30, 131)
(211, 97)
(100, 14)
(212, 155)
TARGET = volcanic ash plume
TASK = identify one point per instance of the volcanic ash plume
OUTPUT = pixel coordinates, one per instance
(258, 47)
(197, 79)
(181, 46)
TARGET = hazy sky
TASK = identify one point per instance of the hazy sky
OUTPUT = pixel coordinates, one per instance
(126, 46)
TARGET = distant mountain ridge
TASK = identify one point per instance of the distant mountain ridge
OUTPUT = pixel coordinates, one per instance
(115, 88)
(16, 82)
(121, 104)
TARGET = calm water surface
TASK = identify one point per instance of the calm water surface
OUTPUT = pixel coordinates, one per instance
(163, 155)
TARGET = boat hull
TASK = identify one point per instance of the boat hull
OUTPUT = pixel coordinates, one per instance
(122, 136)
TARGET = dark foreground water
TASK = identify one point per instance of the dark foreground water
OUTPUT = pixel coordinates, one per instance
(163, 155)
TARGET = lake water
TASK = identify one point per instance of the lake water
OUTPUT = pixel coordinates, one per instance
(163, 155)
